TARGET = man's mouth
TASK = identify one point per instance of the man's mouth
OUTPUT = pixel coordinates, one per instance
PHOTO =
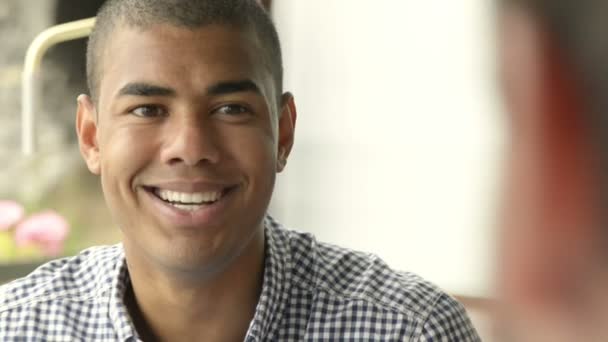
(188, 201)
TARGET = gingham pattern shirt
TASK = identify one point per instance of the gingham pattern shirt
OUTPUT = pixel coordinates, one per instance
(311, 292)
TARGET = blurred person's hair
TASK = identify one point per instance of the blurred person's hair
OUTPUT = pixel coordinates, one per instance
(190, 14)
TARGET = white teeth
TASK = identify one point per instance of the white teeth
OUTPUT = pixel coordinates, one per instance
(187, 207)
(197, 197)
(210, 196)
(187, 198)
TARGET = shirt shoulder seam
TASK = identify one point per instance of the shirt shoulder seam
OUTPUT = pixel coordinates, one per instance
(50, 298)
(402, 309)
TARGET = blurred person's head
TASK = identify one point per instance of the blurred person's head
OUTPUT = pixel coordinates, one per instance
(554, 260)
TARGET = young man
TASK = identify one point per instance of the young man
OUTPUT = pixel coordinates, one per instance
(554, 276)
(187, 125)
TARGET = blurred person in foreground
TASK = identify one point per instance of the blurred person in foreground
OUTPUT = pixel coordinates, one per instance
(187, 125)
(554, 256)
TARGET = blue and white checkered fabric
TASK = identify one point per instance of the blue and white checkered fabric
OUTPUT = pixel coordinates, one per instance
(311, 292)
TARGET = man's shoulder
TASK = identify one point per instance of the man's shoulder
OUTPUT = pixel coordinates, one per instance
(75, 278)
(366, 285)
(354, 275)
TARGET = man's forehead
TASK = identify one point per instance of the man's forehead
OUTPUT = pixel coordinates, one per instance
(245, 34)
(219, 52)
(174, 45)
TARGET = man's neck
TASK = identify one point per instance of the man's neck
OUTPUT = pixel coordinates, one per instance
(218, 308)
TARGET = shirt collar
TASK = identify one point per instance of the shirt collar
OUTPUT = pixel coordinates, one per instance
(275, 286)
(118, 312)
(270, 307)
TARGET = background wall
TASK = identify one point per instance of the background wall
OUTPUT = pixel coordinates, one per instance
(398, 139)
(399, 132)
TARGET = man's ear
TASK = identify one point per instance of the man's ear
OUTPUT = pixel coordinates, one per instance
(287, 124)
(86, 128)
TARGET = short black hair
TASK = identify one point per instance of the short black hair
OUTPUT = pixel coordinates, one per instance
(191, 14)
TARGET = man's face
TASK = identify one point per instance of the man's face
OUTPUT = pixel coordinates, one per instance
(186, 140)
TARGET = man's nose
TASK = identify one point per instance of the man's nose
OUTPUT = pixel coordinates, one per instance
(191, 142)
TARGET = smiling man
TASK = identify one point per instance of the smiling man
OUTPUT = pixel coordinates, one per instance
(187, 126)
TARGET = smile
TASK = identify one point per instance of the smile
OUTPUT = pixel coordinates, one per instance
(188, 201)
(191, 204)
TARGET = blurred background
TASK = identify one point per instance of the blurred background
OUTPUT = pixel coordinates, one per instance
(398, 144)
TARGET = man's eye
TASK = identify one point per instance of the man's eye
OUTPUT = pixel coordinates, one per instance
(149, 111)
(232, 109)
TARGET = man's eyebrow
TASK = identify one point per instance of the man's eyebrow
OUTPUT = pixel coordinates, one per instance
(145, 89)
(228, 87)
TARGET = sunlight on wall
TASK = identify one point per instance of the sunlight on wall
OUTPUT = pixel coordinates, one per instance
(399, 133)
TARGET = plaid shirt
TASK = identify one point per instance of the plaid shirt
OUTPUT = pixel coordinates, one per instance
(311, 292)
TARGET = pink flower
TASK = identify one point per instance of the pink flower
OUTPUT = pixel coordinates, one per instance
(47, 230)
(10, 213)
